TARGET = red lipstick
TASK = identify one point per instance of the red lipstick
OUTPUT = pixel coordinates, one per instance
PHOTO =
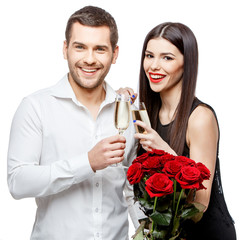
(156, 77)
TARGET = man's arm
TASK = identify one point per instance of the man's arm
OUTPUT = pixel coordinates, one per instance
(26, 177)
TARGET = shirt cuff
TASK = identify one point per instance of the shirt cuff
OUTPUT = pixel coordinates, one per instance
(81, 168)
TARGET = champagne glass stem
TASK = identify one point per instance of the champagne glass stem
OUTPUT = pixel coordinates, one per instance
(120, 132)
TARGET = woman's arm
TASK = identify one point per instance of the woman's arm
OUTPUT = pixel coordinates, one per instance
(202, 138)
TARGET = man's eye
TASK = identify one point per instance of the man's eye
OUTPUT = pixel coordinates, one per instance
(79, 47)
(100, 49)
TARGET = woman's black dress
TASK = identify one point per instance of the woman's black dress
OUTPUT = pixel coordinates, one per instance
(216, 223)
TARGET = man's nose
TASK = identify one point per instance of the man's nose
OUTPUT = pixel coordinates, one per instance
(90, 57)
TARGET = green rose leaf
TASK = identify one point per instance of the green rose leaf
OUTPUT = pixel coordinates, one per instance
(145, 203)
(163, 219)
(189, 212)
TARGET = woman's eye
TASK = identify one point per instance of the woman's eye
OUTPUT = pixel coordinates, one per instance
(167, 58)
(147, 55)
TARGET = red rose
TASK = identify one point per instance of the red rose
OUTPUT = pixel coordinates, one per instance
(189, 178)
(166, 158)
(155, 163)
(135, 173)
(185, 161)
(141, 158)
(158, 152)
(205, 173)
(159, 185)
(171, 168)
(151, 165)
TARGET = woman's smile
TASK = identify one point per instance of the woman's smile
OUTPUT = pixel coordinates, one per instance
(156, 77)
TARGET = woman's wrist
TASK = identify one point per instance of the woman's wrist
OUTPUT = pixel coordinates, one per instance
(170, 150)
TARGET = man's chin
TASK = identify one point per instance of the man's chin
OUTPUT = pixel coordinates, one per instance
(89, 85)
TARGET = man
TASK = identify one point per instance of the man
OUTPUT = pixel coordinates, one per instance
(63, 144)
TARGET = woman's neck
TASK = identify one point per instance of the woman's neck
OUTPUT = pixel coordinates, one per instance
(170, 100)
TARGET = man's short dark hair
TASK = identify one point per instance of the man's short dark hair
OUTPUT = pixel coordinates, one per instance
(95, 17)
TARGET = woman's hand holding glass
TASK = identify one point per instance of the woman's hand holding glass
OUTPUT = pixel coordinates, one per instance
(150, 139)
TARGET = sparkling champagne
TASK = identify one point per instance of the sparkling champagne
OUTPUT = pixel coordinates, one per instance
(122, 115)
(142, 116)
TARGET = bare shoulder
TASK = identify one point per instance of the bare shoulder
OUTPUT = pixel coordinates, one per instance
(202, 124)
(202, 116)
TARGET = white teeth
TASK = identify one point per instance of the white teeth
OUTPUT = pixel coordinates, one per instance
(89, 70)
(156, 76)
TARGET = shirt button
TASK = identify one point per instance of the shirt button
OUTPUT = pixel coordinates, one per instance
(96, 136)
(96, 210)
(97, 235)
(97, 184)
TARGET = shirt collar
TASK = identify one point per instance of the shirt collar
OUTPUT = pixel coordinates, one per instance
(63, 89)
(110, 93)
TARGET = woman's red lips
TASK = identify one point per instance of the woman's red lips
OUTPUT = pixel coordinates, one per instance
(156, 77)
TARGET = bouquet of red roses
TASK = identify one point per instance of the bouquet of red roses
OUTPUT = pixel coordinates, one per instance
(165, 186)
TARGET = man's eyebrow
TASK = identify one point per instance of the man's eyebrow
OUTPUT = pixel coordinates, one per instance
(78, 43)
(103, 46)
(97, 46)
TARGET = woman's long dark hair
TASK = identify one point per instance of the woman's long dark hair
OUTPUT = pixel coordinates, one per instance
(183, 38)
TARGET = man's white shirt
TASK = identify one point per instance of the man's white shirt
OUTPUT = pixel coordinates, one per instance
(50, 137)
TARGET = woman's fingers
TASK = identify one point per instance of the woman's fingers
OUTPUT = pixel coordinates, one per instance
(128, 92)
(147, 148)
(143, 125)
(149, 139)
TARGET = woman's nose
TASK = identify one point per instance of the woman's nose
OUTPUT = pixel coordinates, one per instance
(156, 64)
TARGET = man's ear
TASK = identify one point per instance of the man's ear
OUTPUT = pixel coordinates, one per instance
(115, 54)
(65, 47)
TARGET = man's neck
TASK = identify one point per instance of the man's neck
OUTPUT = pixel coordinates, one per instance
(90, 98)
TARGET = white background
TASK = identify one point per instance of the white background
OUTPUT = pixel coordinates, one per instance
(32, 34)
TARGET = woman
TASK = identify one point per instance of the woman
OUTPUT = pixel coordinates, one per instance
(182, 124)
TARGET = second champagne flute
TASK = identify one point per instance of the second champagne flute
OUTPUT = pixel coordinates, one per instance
(140, 113)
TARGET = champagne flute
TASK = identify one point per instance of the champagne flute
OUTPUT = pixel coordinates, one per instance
(121, 116)
(140, 113)
(122, 113)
